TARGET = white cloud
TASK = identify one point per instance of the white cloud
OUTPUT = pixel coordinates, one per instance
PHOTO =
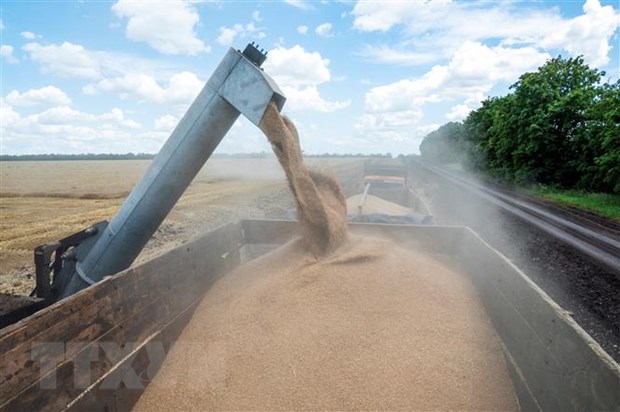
(587, 35)
(370, 16)
(389, 124)
(473, 71)
(395, 133)
(60, 115)
(168, 26)
(427, 128)
(460, 111)
(470, 75)
(48, 95)
(302, 29)
(7, 115)
(65, 130)
(6, 52)
(441, 27)
(64, 115)
(256, 15)
(74, 61)
(28, 35)
(300, 4)
(324, 30)
(182, 88)
(228, 34)
(166, 123)
(437, 20)
(391, 55)
(66, 60)
(298, 73)
(296, 67)
(309, 99)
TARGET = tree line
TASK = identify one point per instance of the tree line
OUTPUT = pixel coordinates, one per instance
(81, 156)
(558, 126)
(148, 156)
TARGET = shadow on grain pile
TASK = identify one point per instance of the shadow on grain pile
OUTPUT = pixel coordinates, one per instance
(334, 321)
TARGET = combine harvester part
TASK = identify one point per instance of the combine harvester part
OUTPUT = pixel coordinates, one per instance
(238, 86)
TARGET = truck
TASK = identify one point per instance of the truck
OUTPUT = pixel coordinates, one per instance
(387, 196)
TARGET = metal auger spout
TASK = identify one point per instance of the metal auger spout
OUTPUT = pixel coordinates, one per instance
(238, 86)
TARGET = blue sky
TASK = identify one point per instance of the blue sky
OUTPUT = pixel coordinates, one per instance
(360, 77)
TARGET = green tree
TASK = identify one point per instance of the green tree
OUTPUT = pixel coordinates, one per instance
(558, 126)
(484, 138)
(599, 157)
(548, 118)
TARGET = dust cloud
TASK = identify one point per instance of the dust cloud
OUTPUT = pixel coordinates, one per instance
(258, 169)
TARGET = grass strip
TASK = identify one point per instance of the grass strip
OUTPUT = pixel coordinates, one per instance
(605, 204)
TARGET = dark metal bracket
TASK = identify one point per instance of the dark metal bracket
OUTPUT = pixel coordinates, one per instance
(50, 257)
(253, 54)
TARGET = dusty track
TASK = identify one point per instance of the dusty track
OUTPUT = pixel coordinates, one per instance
(578, 282)
(600, 242)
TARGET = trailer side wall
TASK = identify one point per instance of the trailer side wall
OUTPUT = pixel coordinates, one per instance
(140, 312)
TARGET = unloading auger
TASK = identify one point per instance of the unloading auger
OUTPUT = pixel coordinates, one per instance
(238, 86)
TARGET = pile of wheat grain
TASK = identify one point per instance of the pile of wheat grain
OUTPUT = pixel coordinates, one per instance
(372, 326)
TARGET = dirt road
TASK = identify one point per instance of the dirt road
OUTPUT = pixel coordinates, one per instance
(587, 290)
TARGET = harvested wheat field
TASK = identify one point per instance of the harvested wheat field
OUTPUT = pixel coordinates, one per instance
(44, 201)
(372, 326)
